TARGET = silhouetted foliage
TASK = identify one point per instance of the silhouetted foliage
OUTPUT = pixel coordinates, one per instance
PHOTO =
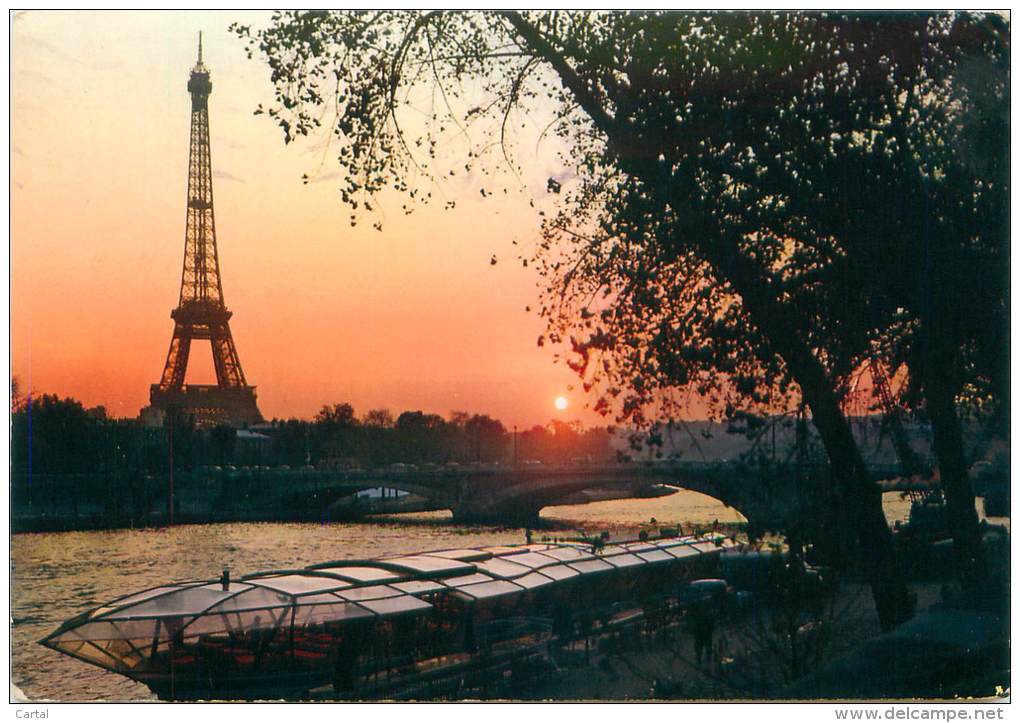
(57, 436)
(222, 439)
(565, 443)
(54, 435)
(757, 203)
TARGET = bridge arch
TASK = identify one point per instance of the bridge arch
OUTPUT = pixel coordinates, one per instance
(518, 494)
(668, 499)
(335, 496)
(522, 501)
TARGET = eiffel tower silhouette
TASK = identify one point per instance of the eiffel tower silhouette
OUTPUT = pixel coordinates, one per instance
(201, 312)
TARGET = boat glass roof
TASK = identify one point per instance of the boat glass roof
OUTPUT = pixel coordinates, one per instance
(492, 589)
(358, 573)
(185, 601)
(502, 568)
(395, 605)
(463, 555)
(372, 592)
(559, 572)
(569, 553)
(429, 563)
(532, 580)
(467, 580)
(324, 597)
(626, 560)
(419, 587)
(590, 566)
(144, 595)
(504, 549)
(705, 546)
(682, 551)
(257, 597)
(532, 559)
(300, 584)
(337, 612)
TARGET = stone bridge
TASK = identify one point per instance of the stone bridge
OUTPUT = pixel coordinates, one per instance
(509, 495)
(517, 494)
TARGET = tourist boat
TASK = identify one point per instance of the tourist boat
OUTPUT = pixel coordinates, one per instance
(350, 624)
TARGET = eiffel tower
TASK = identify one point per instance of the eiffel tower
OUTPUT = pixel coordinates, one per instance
(201, 312)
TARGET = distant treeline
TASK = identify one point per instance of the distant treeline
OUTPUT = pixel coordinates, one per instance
(52, 435)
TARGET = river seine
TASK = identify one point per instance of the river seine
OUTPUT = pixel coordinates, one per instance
(55, 576)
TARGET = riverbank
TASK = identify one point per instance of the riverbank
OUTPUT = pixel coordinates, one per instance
(663, 665)
(956, 647)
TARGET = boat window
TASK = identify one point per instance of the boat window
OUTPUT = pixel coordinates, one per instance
(90, 652)
(417, 587)
(266, 619)
(463, 555)
(626, 560)
(238, 623)
(301, 584)
(502, 568)
(655, 555)
(372, 592)
(590, 566)
(467, 580)
(427, 563)
(112, 630)
(559, 572)
(360, 573)
(188, 601)
(334, 612)
(532, 580)
(490, 589)
(396, 605)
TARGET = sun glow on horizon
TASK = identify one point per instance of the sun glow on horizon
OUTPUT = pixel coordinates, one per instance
(561, 403)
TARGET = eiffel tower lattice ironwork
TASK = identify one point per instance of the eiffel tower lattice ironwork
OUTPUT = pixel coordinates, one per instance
(201, 312)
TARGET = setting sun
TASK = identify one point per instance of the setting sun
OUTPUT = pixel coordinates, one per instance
(561, 403)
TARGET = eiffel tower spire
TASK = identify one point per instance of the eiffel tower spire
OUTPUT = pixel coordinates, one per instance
(201, 312)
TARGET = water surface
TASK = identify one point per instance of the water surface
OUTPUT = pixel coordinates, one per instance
(55, 576)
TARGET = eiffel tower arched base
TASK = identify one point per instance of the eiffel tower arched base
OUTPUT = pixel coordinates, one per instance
(209, 404)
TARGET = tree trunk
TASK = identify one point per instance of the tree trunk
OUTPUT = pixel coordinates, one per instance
(861, 497)
(948, 443)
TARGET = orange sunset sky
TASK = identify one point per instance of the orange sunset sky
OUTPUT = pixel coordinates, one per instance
(414, 317)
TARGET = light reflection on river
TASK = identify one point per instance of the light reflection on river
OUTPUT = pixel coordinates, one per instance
(56, 576)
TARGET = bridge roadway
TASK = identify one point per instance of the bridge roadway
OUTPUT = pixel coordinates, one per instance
(518, 493)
